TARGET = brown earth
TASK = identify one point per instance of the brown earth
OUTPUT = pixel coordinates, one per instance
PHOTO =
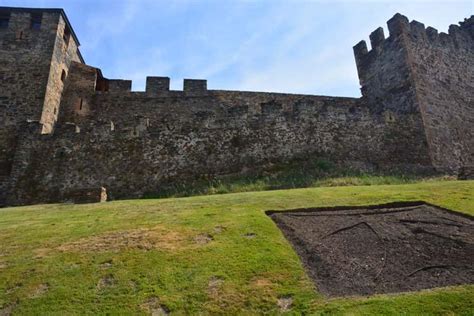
(388, 248)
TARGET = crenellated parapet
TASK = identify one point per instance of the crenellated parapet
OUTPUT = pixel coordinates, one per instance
(195, 86)
(157, 85)
(398, 25)
(428, 74)
(400, 29)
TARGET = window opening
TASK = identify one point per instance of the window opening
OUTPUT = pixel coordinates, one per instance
(36, 21)
(66, 35)
(4, 19)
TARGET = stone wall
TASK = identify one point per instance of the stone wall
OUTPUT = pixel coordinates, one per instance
(443, 65)
(429, 76)
(387, 84)
(133, 143)
(25, 55)
(28, 44)
(415, 115)
(65, 51)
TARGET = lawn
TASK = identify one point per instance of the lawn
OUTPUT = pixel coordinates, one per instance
(217, 254)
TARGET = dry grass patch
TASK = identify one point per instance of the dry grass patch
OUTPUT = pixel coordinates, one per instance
(153, 307)
(262, 283)
(143, 238)
(39, 290)
(214, 286)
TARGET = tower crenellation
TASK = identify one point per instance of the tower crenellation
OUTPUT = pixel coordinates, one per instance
(458, 35)
(156, 85)
(377, 38)
(195, 86)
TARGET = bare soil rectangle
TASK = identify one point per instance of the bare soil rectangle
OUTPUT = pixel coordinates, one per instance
(387, 248)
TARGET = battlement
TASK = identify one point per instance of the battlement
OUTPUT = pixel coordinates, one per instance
(195, 86)
(155, 85)
(459, 36)
(24, 22)
(89, 79)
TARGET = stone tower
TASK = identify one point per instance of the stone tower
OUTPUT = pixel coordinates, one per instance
(36, 49)
(428, 77)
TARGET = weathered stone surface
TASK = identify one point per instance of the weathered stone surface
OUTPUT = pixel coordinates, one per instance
(430, 77)
(444, 83)
(466, 173)
(87, 131)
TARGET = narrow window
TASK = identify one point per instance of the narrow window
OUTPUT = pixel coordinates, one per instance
(80, 105)
(4, 19)
(63, 76)
(36, 21)
(66, 35)
(55, 111)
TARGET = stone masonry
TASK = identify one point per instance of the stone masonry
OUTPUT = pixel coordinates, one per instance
(67, 131)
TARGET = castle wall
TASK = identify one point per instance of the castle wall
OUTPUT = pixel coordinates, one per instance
(133, 143)
(75, 131)
(430, 77)
(25, 55)
(443, 65)
(64, 52)
(32, 58)
(387, 84)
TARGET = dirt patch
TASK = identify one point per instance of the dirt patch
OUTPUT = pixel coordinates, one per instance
(219, 229)
(285, 303)
(105, 282)
(250, 235)
(13, 288)
(144, 239)
(41, 253)
(381, 249)
(40, 290)
(203, 239)
(214, 286)
(152, 305)
(7, 310)
(262, 283)
(106, 264)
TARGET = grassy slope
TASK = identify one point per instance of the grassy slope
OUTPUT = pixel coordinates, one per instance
(37, 249)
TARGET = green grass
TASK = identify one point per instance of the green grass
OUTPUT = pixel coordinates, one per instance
(69, 249)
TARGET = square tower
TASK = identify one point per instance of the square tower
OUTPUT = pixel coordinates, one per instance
(37, 47)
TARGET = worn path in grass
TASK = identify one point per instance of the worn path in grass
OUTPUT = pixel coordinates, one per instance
(206, 254)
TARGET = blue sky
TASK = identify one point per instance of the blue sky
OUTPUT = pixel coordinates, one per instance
(283, 46)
